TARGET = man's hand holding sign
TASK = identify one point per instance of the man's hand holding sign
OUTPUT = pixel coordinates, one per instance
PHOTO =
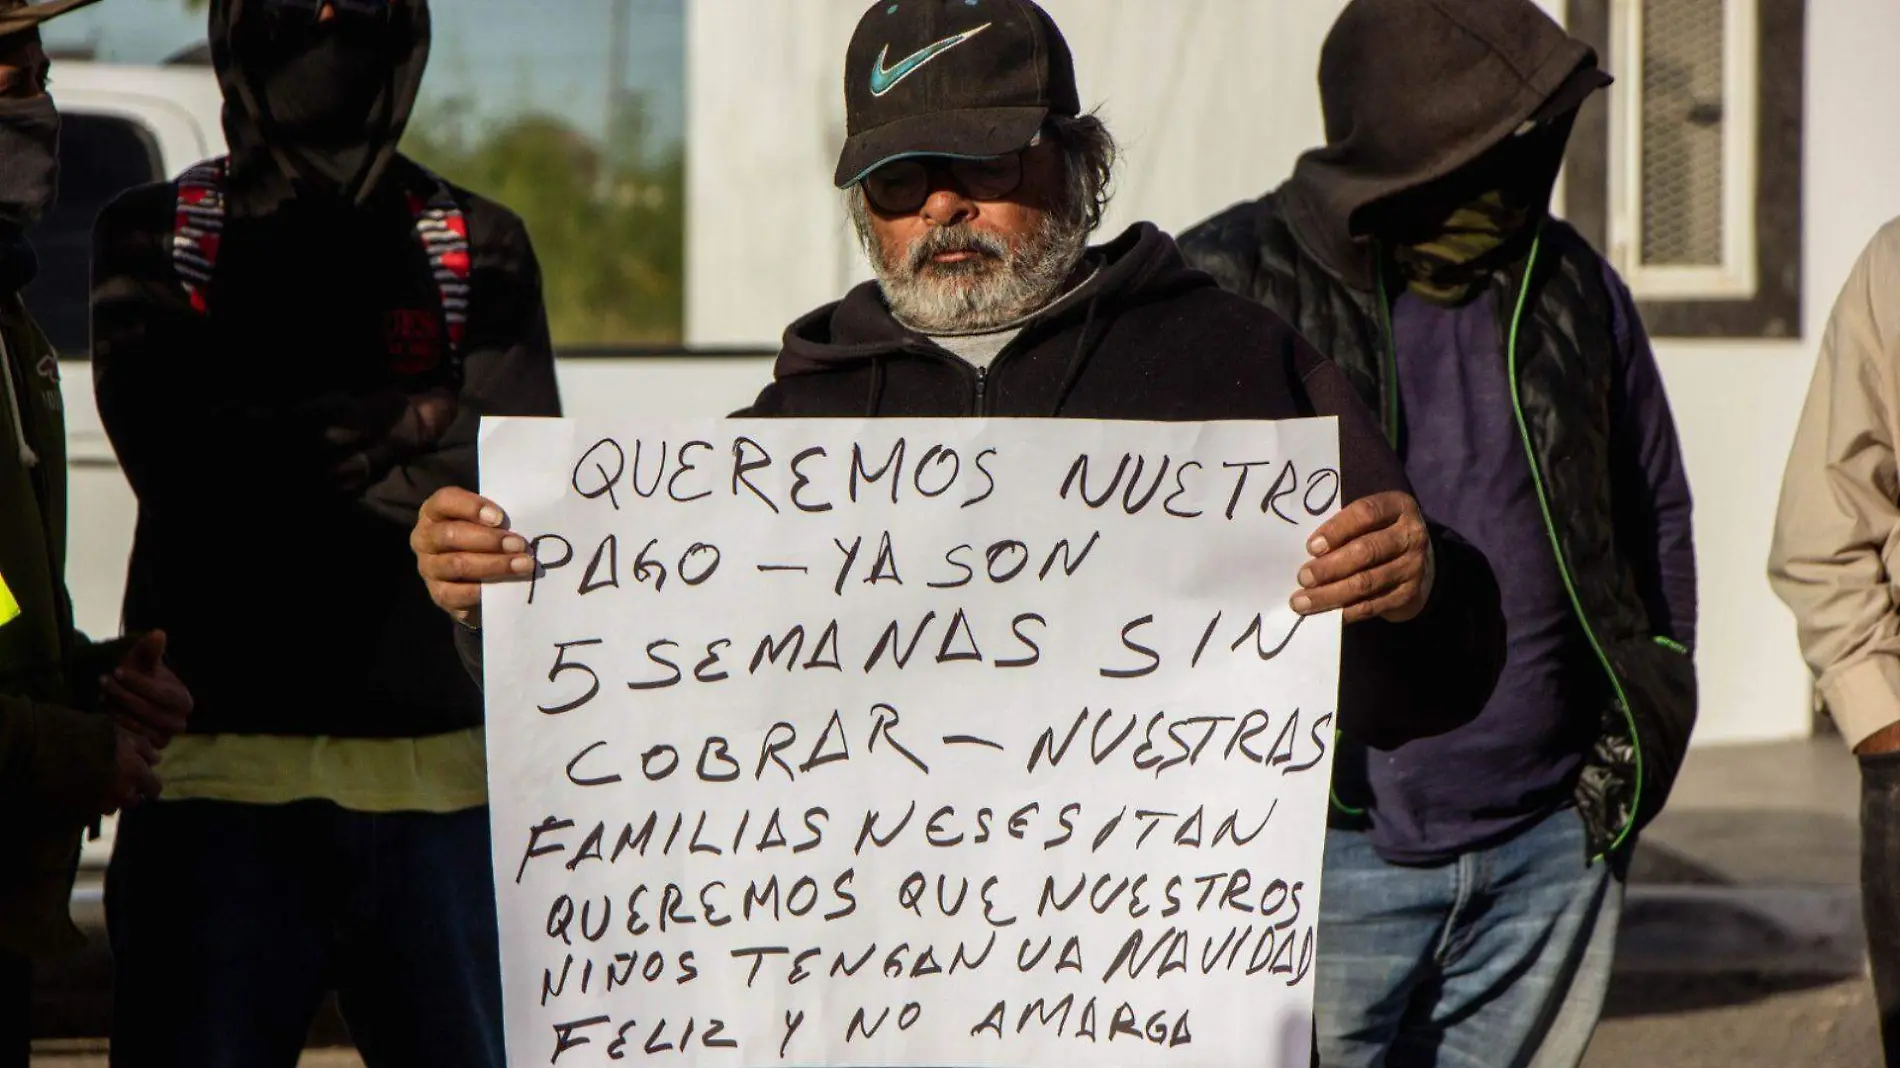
(462, 541)
(1374, 559)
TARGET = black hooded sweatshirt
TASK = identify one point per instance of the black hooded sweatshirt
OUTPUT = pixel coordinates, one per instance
(1149, 338)
(283, 574)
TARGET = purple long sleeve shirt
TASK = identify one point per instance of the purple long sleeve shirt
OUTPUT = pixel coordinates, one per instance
(1517, 762)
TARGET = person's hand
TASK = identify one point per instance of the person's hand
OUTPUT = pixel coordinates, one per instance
(375, 434)
(460, 542)
(1373, 559)
(406, 421)
(143, 695)
(1884, 741)
(425, 417)
(134, 776)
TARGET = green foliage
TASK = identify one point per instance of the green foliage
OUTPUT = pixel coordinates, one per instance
(608, 221)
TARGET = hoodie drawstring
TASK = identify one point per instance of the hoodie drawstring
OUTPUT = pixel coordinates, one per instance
(27, 456)
(876, 400)
(1094, 329)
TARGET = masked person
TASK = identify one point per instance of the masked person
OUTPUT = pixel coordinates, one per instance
(80, 724)
(1474, 879)
(300, 339)
(974, 182)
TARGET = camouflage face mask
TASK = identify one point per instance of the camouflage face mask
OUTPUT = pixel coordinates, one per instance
(1448, 267)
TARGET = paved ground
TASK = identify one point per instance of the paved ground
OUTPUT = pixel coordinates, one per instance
(1741, 946)
(1737, 1022)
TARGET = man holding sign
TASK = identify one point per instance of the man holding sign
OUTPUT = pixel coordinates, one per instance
(634, 861)
(974, 182)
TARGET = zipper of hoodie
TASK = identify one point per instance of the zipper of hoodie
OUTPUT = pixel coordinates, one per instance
(1388, 355)
(979, 390)
(1556, 545)
(986, 372)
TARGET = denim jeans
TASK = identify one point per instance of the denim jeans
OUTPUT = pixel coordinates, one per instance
(1499, 959)
(229, 923)
(1880, 888)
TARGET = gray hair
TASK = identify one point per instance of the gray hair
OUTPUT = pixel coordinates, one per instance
(1089, 153)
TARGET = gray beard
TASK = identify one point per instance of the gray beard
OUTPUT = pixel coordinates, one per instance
(1003, 283)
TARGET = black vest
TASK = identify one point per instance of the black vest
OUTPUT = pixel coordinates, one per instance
(1557, 315)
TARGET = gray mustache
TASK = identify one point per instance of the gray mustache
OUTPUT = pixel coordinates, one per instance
(958, 239)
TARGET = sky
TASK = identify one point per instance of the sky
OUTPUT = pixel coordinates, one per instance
(506, 55)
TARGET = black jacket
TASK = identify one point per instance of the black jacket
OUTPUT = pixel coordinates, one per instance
(1151, 339)
(289, 590)
(57, 751)
(1303, 252)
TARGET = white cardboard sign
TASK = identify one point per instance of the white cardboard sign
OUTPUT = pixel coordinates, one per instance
(909, 742)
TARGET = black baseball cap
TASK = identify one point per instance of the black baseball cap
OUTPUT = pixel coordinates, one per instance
(962, 78)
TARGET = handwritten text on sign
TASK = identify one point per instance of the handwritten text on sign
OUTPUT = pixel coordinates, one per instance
(909, 742)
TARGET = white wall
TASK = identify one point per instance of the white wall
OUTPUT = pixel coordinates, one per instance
(1213, 100)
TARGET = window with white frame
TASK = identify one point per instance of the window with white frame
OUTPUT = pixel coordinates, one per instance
(1687, 172)
(1682, 145)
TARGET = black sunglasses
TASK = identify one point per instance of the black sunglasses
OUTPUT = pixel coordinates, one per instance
(902, 186)
(308, 12)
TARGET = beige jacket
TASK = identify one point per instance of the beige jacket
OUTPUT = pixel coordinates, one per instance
(1836, 555)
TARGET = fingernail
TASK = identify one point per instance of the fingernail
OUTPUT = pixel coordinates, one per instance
(1302, 604)
(1306, 577)
(521, 565)
(512, 544)
(491, 516)
(1317, 546)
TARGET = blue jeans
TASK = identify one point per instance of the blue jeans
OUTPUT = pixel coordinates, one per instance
(229, 923)
(1499, 959)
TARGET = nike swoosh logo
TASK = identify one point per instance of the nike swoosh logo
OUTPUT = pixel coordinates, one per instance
(884, 79)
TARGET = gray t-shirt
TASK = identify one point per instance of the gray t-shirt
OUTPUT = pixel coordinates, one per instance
(980, 350)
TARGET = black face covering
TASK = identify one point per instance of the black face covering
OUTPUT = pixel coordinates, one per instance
(321, 86)
(29, 160)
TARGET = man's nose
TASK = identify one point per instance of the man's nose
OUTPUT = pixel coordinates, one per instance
(326, 13)
(948, 206)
